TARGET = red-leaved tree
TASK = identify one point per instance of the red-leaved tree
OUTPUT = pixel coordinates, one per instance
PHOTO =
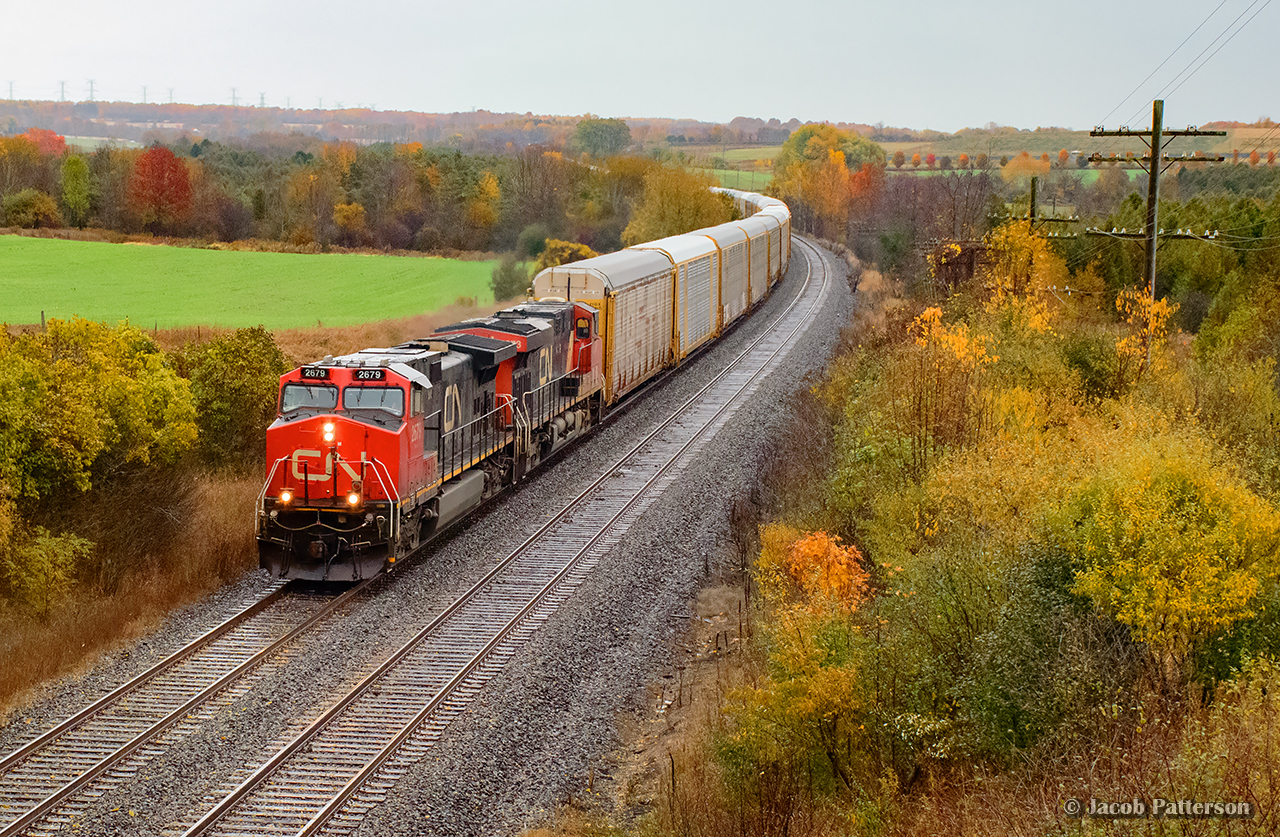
(49, 142)
(160, 189)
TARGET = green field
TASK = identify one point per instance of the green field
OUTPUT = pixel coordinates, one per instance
(734, 179)
(175, 286)
(740, 154)
(94, 143)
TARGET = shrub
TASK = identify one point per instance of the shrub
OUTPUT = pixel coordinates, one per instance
(532, 241)
(234, 380)
(31, 209)
(41, 568)
(563, 252)
(510, 280)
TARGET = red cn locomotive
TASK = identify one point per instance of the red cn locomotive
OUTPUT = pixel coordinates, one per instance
(376, 451)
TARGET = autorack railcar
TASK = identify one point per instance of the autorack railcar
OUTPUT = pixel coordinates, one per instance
(374, 452)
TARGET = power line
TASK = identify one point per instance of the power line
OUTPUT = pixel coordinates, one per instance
(1224, 43)
(1162, 63)
(1152, 232)
(1203, 51)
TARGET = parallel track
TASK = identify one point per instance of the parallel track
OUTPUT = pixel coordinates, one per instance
(343, 763)
(47, 775)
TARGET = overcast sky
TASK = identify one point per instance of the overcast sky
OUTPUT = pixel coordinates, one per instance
(925, 64)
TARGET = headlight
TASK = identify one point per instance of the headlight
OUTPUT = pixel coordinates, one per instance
(286, 496)
(353, 499)
(328, 436)
(328, 427)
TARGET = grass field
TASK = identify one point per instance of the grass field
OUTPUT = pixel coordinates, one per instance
(742, 154)
(94, 143)
(170, 287)
(734, 179)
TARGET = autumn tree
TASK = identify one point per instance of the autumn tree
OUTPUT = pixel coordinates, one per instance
(20, 164)
(1254, 158)
(75, 189)
(675, 201)
(602, 137)
(48, 143)
(964, 161)
(31, 209)
(159, 190)
(981, 161)
(1063, 157)
(1024, 166)
(915, 160)
(930, 160)
(349, 218)
(899, 159)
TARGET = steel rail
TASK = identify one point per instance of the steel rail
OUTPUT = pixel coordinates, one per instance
(371, 768)
(304, 742)
(140, 680)
(84, 778)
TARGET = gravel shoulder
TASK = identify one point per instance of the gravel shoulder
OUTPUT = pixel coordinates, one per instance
(548, 721)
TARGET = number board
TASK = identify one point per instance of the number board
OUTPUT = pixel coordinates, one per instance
(315, 373)
(369, 375)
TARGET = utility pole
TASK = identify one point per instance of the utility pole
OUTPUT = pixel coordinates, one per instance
(1157, 162)
(233, 97)
(144, 94)
(62, 91)
(170, 95)
(262, 100)
(91, 90)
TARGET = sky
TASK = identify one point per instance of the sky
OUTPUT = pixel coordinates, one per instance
(926, 64)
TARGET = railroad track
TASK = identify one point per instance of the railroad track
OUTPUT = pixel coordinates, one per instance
(342, 765)
(42, 780)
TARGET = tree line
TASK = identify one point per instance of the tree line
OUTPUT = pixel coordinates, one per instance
(310, 194)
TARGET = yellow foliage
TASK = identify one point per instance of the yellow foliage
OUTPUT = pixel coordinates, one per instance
(1020, 275)
(1171, 543)
(675, 201)
(1148, 327)
(957, 342)
(339, 157)
(1024, 166)
(559, 252)
(482, 211)
(349, 217)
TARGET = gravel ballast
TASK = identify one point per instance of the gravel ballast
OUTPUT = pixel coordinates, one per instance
(537, 730)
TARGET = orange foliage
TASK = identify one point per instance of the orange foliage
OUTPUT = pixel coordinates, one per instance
(48, 142)
(825, 570)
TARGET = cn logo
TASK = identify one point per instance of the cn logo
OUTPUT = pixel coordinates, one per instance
(321, 470)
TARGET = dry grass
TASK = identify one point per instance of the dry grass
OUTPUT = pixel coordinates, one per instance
(216, 544)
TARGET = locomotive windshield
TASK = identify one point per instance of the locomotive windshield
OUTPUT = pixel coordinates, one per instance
(388, 399)
(312, 396)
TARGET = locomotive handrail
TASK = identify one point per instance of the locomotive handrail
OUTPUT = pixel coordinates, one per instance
(262, 495)
(489, 438)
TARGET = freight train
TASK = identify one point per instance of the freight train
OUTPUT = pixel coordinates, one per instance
(373, 453)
